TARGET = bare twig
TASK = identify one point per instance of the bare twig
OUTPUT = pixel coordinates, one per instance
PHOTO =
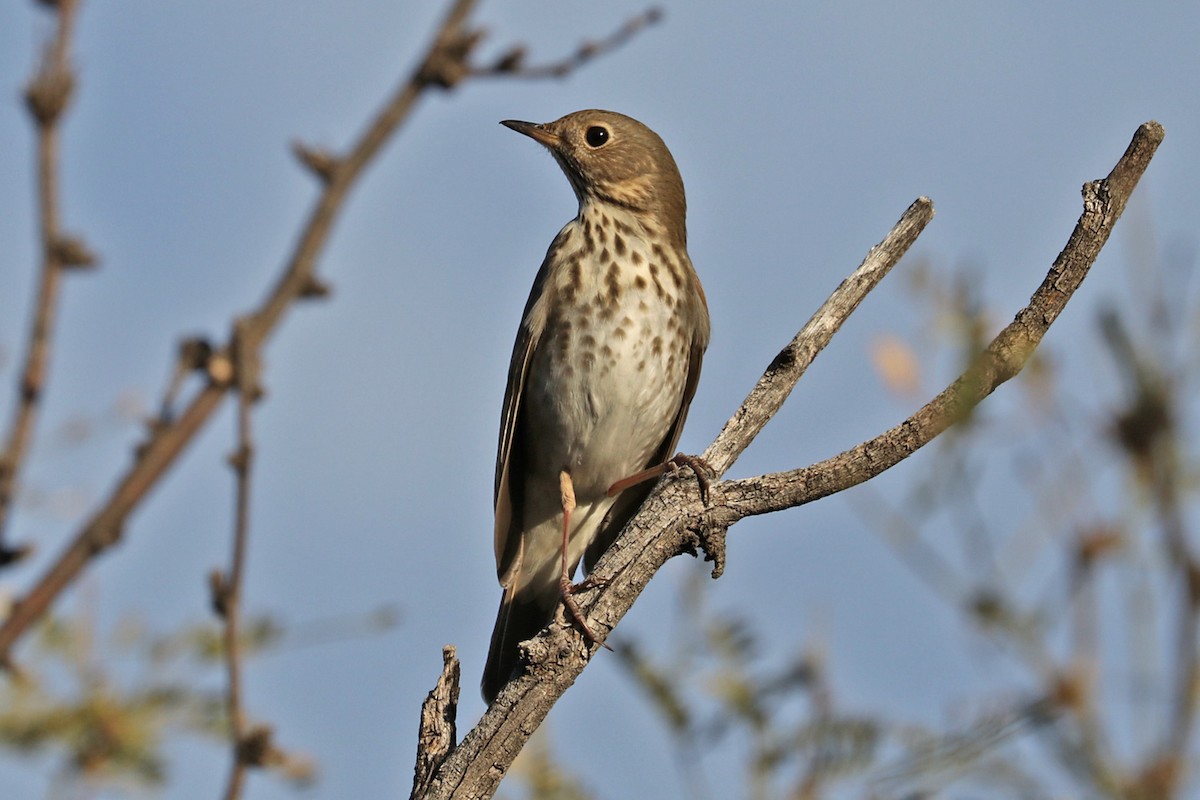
(227, 589)
(446, 63)
(1003, 358)
(789, 365)
(47, 98)
(674, 520)
(512, 63)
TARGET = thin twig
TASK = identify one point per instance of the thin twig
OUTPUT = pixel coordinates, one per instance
(227, 589)
(512, 63)
(790, 364)
(47, 98)
(674, 520)
(1003, 358)
(446, 63)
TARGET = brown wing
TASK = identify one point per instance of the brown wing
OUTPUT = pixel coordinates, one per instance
(509, 487)
(700, 336)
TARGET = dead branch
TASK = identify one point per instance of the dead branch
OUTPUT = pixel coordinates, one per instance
(438, 732)
(445, 64)
(674, 520)
(47, 97)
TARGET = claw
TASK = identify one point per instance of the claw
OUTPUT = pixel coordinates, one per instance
(700, 468)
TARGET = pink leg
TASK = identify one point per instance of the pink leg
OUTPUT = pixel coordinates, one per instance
(699, 466)
(567, 490)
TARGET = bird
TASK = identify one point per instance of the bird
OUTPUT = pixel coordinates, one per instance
(605, 365)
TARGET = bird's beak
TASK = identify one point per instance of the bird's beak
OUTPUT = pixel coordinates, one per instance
(539, 133)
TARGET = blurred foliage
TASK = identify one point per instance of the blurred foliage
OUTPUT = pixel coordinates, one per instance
(106, 710)
(538, 775)
(1089, 586)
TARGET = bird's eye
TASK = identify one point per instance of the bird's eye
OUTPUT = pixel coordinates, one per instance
(596, 136)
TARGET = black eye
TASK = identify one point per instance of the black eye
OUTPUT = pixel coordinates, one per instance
(596, 136)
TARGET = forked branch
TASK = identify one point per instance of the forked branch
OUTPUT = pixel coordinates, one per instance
(446, 63)
(674, 520)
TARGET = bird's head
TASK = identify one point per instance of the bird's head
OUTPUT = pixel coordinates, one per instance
(612, 158)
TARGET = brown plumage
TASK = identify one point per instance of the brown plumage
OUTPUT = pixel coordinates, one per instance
(605, 365)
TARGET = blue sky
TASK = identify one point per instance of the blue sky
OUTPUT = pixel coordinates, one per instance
(802, 132)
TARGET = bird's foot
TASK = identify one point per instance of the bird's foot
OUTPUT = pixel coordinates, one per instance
(576, 613)
(700, 468)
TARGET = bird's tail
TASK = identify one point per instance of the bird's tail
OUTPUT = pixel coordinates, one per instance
(521, 616)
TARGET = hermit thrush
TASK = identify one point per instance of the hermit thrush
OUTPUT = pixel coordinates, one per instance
(605, 365)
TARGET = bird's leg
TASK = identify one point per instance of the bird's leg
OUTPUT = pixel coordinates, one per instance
(567, 492)
(698, 465)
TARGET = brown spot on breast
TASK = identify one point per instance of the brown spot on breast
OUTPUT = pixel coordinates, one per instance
(656, 345)
(604, 256)
(640, 282)
(676, 276)
(658, 287)
(619, 245)
(635, 257)
(612, 280)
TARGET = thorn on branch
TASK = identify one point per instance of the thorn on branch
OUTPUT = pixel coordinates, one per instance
(257, 749)
(218, 593)
(512, 62)
(319, 161)
(194, 353)
(239, 459)
(448, 63)
(11, 555)
(315, 289)
(104, 537)
(73, 253)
